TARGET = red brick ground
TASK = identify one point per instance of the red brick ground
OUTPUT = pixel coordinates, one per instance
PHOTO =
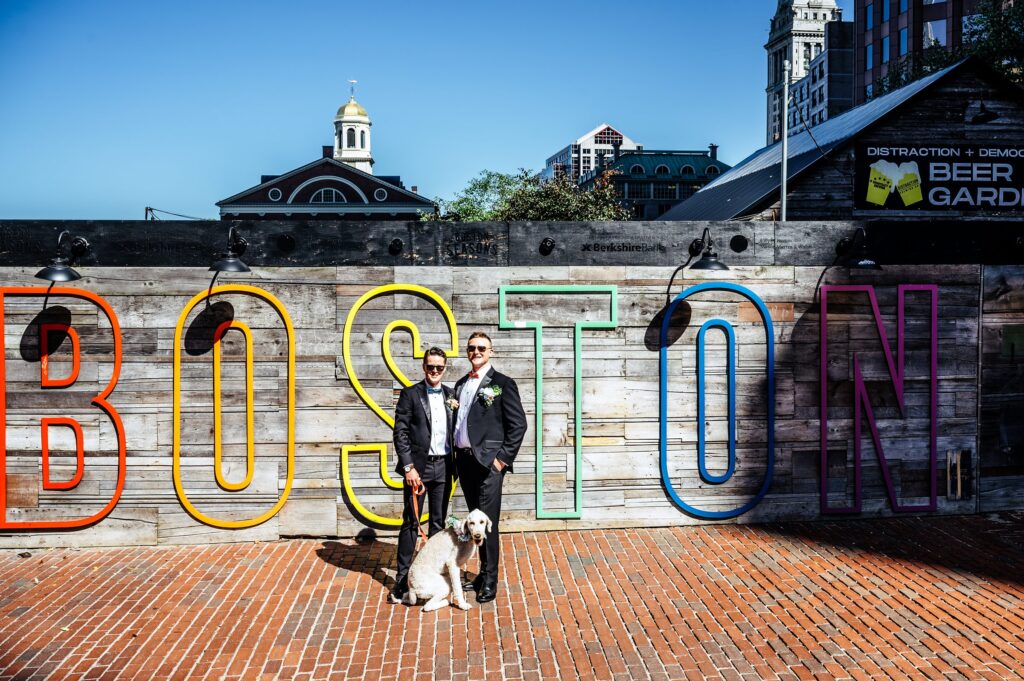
(909, 598)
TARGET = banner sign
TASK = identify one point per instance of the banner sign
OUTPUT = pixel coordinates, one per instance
(960, 177)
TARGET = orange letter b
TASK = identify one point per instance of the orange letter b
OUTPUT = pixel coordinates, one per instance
(99, 401)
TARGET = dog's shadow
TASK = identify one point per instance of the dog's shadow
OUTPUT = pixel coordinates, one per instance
(367, 555)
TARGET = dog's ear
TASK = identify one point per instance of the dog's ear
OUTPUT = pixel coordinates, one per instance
(464, 526)
(488, 524)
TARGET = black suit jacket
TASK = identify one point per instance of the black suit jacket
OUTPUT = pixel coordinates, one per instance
(413, 427)
(497, 431)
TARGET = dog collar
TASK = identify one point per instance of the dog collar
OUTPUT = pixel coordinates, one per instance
(452, 522)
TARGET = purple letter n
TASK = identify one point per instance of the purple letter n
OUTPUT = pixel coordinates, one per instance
(861, 403)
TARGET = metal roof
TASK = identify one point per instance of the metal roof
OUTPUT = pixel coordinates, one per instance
(740, 191)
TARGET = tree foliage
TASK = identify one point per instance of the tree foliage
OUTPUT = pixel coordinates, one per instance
(526, 196)
(482, 197)
(994, 34)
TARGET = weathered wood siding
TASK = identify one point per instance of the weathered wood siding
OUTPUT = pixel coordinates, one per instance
(620, 473)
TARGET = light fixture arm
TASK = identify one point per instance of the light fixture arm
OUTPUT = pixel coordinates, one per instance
(702, 245)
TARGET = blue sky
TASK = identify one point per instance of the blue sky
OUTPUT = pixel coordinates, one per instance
(107, 107)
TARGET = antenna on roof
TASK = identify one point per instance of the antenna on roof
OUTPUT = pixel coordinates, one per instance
(352, 87)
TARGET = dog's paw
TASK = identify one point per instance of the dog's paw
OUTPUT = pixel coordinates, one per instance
(463, 605)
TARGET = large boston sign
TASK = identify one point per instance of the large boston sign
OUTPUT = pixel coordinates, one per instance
(960, 177)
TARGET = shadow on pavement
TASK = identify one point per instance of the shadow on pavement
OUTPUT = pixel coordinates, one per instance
(990, 545)
(371, 557)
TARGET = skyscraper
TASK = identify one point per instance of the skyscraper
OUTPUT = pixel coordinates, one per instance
(890, 31)
(797, 34)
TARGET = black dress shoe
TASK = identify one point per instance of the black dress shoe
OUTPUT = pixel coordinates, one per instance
(486, 594)
(475, 584)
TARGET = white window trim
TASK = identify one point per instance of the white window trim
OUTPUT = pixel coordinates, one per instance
(329, 178)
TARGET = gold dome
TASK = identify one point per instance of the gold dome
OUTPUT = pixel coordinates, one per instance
(352, 108)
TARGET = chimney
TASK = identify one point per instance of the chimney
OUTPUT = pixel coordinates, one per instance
(328, 152)
(415, 189)
(714, 151)
(616, 146)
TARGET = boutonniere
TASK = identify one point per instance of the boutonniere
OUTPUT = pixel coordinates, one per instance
(452, 404)
(488, 394)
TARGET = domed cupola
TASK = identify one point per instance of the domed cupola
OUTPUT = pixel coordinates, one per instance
(352, 134)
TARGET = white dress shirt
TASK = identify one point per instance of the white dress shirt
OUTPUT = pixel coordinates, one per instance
(466, 397)
(438, 422)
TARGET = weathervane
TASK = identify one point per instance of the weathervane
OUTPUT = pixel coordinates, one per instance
(352, 87)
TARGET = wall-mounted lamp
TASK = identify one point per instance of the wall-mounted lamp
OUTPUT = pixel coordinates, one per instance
(704, 246)
(547, 245)
(852, 252)
(230, 260)
(69, 249)
(984, 115)
(396, 246)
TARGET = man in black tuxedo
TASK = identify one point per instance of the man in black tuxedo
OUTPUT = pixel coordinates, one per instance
(424, 424)
(489, 428)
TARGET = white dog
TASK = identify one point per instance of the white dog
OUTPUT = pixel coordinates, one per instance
(436, 572)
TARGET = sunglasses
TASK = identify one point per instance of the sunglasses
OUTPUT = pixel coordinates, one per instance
(477, 348)
(435, 369)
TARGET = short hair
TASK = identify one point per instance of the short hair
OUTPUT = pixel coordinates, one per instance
(480, 334)
(436, 352)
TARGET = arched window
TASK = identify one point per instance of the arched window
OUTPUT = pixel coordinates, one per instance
(328, 195)
(686, 170)
(712, 170)
(362, 139)
(351, 141)
(661, 170)
(636, 170)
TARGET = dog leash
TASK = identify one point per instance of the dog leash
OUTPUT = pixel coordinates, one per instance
(417, 489)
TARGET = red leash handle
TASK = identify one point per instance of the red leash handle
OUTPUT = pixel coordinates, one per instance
(417, 490)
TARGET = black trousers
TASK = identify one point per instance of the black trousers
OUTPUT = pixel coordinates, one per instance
(482, 488)
(437, 488)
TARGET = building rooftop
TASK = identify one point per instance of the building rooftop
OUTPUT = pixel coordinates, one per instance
(754, 180)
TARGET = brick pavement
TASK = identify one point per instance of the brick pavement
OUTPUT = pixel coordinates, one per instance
(903, 598)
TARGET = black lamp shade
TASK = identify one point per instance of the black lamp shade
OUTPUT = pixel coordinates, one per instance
(58, 271)
(862, 263)
(709, 261)
(229, 263)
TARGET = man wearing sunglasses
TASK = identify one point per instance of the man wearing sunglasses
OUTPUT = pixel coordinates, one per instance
(489, 428)
(424, 424)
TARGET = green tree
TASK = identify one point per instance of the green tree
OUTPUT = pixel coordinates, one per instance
(481, 198)
(525, 196)
(996, 36)
(561, 199)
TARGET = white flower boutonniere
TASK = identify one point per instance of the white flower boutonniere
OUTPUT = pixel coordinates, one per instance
(488, 394)
(452, 404)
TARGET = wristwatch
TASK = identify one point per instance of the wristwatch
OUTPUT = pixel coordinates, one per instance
(408, 467)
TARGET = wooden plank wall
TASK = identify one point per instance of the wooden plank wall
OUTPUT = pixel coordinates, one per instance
(621, 480)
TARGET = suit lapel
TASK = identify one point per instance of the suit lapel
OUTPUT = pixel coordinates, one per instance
(424, 400)
(449, 414)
